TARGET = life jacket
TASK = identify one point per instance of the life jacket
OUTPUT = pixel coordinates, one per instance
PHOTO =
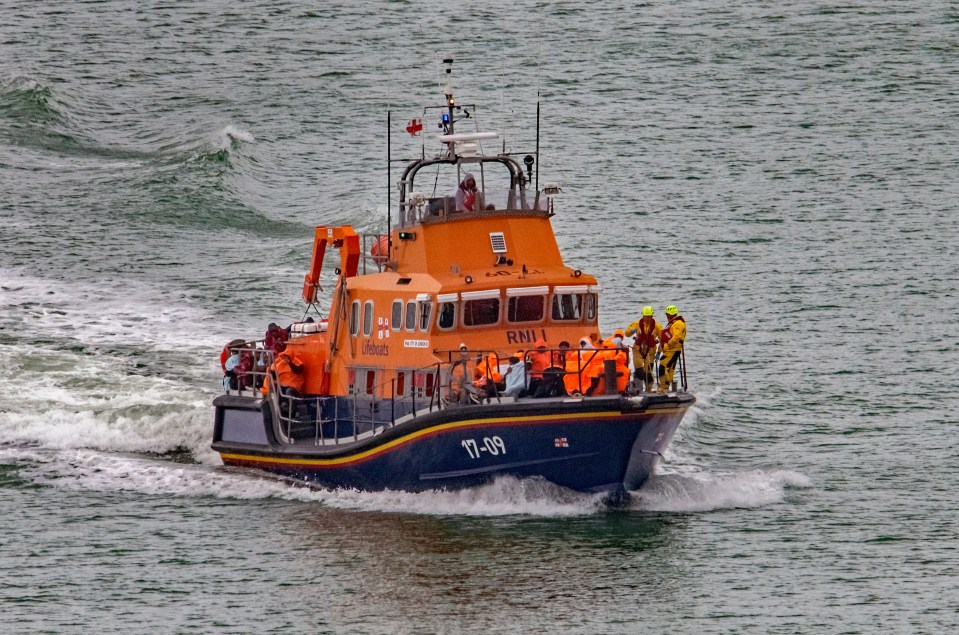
(487, 370)
(469, 198)
(275, 340)
(645, 334)
(539, 361)
(286, 374)
(667, 333)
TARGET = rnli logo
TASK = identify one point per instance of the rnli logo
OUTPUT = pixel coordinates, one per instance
(561, 442)
(527, 336)
(382, 328)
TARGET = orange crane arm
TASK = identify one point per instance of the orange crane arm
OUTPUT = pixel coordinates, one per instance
(344, 239)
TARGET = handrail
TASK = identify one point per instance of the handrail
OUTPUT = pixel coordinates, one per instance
(440, 393)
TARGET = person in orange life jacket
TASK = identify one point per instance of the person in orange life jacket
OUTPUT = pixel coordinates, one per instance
(583, 369)
(553, 383)
(486, 375)
(468, 198)
(647, 331)
(290, 374)
(539, 360)
(613, 350)
(672, 339)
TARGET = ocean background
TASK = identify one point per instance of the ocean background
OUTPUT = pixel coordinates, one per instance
(786, 175)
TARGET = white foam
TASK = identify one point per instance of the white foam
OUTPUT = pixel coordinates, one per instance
(707, 492)
(505, 496)
(116, 311)
(89, 470)
(58, 399)
(239, 135)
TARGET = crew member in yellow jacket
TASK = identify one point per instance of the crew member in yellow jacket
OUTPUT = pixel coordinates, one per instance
(672, 339)
(647, 331)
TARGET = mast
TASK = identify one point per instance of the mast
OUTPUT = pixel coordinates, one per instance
(450, 102)
(389, 198)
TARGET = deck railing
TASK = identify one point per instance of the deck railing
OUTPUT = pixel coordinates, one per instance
(453, 384)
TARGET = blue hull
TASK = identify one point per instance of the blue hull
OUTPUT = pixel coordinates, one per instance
(592, 445)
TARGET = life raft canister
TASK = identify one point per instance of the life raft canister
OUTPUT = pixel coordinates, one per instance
(380, 249)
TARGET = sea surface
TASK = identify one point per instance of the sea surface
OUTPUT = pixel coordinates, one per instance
(785, 173)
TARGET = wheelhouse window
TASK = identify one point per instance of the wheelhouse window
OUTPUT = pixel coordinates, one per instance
(396, 317)
(526, 304)
(446, 319)
(591, 302)
(426, 314)
(527, 308)
(446, 310)
(355, 317)
(567, 307)
(481, 308)
(411, 316)
(368, 318)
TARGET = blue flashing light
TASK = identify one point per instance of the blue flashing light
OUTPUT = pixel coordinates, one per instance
(446, 117)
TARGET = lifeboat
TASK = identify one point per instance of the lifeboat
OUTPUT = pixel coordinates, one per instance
(421, 376)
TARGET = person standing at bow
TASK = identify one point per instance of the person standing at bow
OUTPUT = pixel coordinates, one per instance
(647, 331)
(672, 339)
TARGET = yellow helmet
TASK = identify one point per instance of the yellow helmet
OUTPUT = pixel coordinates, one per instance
(672, 310)
(647, 310)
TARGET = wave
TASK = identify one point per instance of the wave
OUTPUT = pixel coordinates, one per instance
(24, 100)
(712, 491)
(90, 470)
(49, 117)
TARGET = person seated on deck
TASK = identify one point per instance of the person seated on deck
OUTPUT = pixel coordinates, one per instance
(229, 360)
(554, 375)
(486, 377)
(583, 370)
(291, 376)
(614, 351)
(275, 338)
(468, 198)
(289, 373)
(460, 374)
(539, 360)
(515, 378)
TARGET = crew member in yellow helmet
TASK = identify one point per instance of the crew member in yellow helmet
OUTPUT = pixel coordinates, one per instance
(671, 339)
(647, 331)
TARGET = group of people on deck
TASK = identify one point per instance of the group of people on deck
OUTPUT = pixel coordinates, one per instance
(243, 368)
(542, 372)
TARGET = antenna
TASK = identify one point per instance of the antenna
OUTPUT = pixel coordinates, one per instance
(537, 141)
(389, 178)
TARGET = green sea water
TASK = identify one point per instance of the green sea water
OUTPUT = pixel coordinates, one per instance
(786, 175)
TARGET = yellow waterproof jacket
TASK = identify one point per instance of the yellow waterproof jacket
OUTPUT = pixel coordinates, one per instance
(676, 330)
(647, 331)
